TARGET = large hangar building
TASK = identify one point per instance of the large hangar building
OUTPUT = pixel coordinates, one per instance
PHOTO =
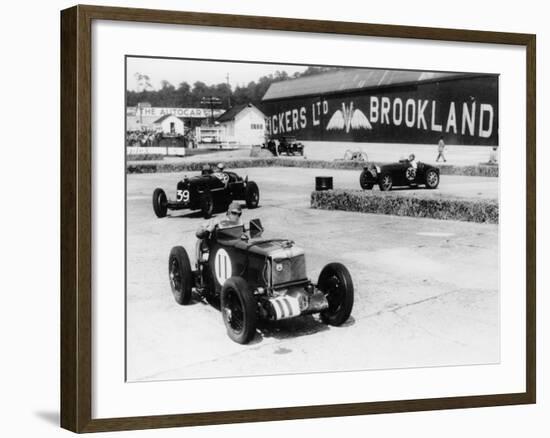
(386, 106)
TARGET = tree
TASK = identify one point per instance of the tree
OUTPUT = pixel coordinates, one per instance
(187, 96)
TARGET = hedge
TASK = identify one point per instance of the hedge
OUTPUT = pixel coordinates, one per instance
(188, 166)
(144, 157)
(460, 209)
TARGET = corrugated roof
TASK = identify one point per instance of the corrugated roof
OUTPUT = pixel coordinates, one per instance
(349, 79)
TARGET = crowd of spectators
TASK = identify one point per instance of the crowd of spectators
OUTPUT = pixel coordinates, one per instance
(145, 138)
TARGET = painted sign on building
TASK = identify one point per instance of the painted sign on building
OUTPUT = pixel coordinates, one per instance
(158, 112)
(463, 111)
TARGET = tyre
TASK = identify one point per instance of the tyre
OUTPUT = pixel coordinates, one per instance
(207, 204)
(364, 181)
(432, 179)
(160, 203)
(336, 283)
(238, 307)
(180, 274)
(386, 182)
(252, 195)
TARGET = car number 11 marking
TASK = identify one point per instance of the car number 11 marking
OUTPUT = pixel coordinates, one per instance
(222, 266)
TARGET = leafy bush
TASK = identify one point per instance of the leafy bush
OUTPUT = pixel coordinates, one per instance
(469, 210)
(144, 157)
(478, 170)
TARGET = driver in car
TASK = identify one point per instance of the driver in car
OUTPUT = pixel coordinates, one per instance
(231, 219)
(412, 161)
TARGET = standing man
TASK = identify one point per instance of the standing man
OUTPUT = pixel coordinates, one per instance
(440, 150)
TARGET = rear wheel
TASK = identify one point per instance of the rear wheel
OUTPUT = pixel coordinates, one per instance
(238, 310)
(207, 204)
(432, 179)
(180, 274)
(386, 182)
(336, 283)
(365, 180)
(252, 195)
(160, 203)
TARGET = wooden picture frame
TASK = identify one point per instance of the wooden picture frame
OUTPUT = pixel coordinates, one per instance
(76, 217)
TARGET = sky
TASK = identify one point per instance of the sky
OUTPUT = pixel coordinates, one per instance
(176, 71)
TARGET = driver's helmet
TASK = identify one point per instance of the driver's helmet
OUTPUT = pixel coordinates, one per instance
(220, 167)
(234, 209)
(411, 157)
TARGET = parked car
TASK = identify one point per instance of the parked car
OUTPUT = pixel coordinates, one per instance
(400, 174)
(284, 144)
(207, 192)
(256, 278)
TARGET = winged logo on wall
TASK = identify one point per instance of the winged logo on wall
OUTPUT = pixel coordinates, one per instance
(348, 118)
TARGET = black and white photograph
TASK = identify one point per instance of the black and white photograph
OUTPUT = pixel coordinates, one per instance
(292, 219)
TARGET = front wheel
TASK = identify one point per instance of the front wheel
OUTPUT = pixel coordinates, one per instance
(336, 283)
(365, 180)
(207, 204)
(252, 195)
(180, 274)
(238, 310)
(160, 203)
(386, 182)
(432, 179)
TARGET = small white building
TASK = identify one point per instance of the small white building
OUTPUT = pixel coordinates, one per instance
(243, 125)
(170, 124)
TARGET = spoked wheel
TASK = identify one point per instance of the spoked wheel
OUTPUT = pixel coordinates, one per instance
(160, 203)
(364, 180)
(386, 182)
(336, 283)
(432, 179)
(180, 274)
(207, 204)
(238, 310)
(252, 195)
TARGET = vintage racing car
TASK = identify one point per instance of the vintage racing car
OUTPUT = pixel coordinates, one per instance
(207, 192)
(403, 173)
(356, 155)
(256, 278)
(285, 144)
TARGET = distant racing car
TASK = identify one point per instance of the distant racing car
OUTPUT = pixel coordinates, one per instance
(256, 278)
(284, 144)
(208, 192)
(403, 173)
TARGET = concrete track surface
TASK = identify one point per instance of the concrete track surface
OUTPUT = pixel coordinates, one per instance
(426, 291)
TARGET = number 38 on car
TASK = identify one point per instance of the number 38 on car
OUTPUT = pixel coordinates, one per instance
(258, 279)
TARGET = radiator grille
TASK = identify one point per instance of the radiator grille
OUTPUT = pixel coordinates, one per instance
(285, 270)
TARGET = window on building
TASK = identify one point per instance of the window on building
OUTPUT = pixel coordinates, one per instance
(256, 126)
